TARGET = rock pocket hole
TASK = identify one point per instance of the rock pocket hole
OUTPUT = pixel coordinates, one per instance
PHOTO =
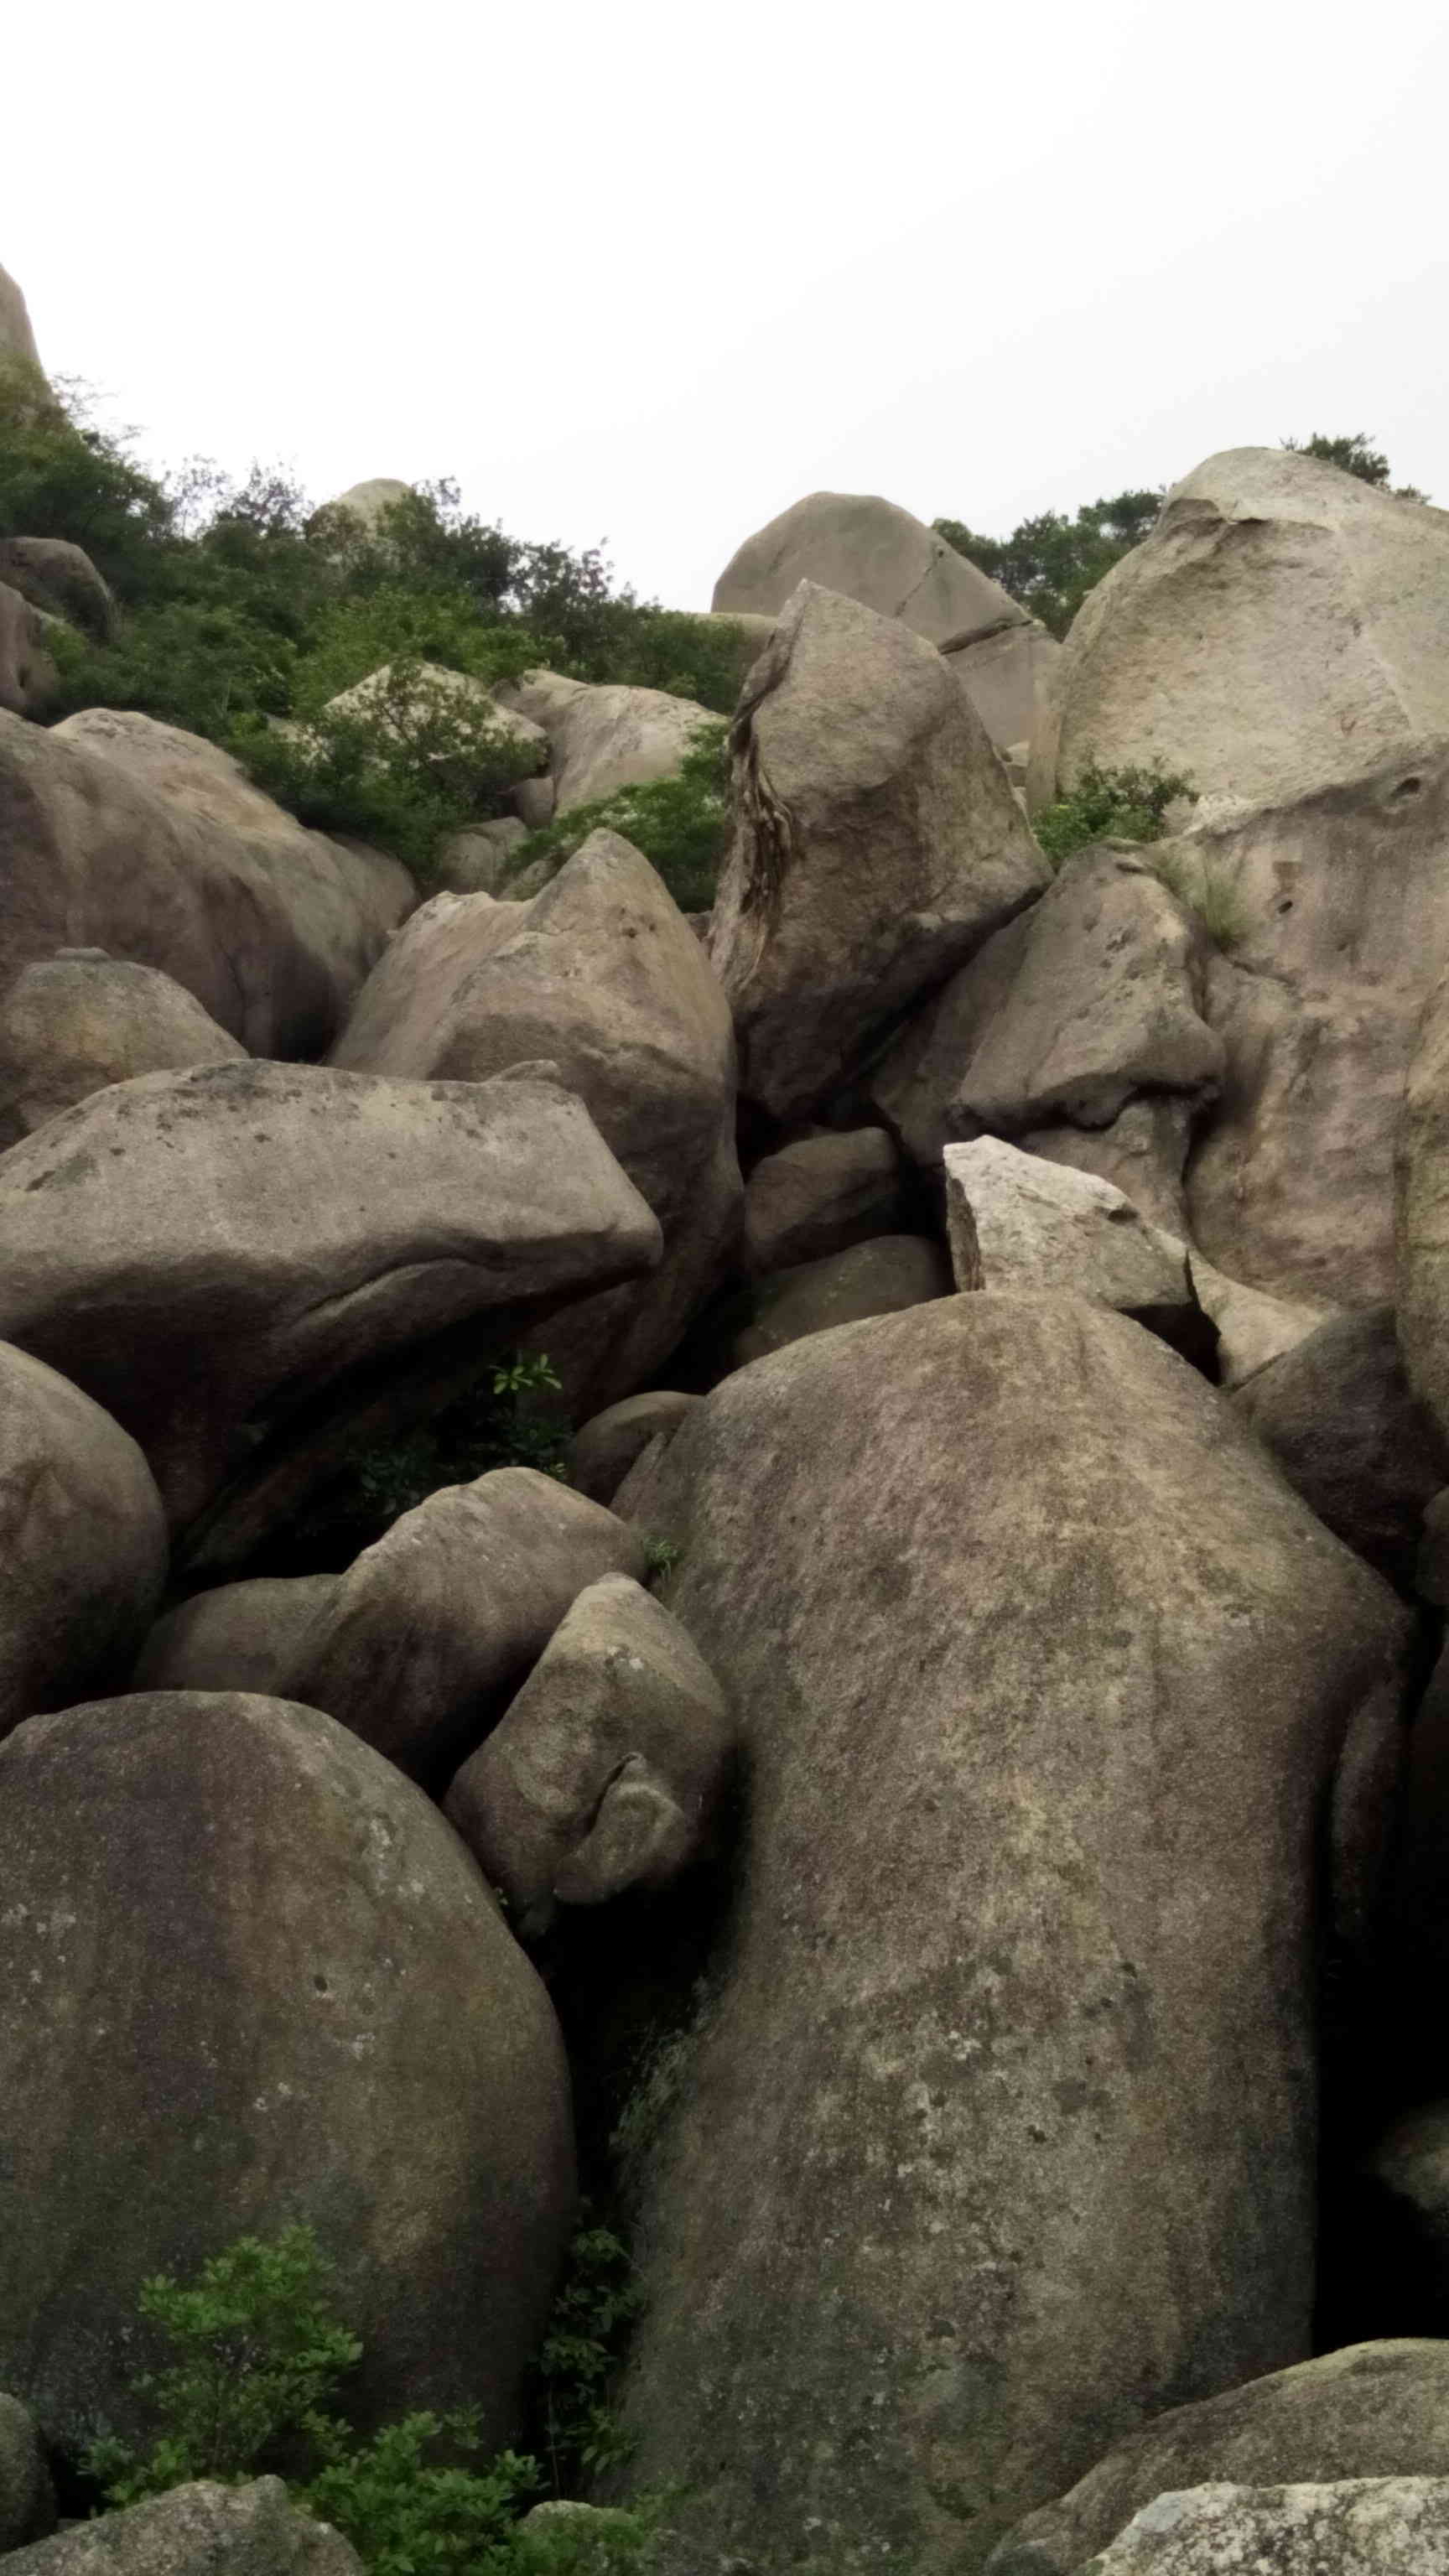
(1408, 787)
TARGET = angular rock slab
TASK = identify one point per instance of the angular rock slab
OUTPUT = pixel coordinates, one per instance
(73, 1023)
(1344, 936)
(1371, 2410)
(418, 1645)
(1284, 626)
(604, 1449)
(82, 1542)
(252, 2530)
(602, 976)
(606, 1770)
(877, 843)
(1091, 999)
(120, 833)
(996, 2132)
(1353, 2526)
(603, 736)
(820, 1195)
(871, 551)
(1022, 1227)
(205, 1252)
(1337, 1414)
(250, 1977)
(882, 1277)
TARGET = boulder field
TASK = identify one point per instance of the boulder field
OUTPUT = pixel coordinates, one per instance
(789, 1564)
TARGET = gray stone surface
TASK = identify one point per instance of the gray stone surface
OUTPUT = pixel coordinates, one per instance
(1284, 626)
(991, 2012)
(73, 1023)
(868, 550)
(124, 834)
(1371, 2410)
(604, 1449)
(882, 1277)
(1020, 1226)
(876, 845)
(27, 2501)
(1348, 2527)
(17, 339)
(1337, 1414)
(608, 1766)
(603, 736)
(201, 2529)
(216, 1249)
(820, 1195)
(308, 2009)
(82, 1542)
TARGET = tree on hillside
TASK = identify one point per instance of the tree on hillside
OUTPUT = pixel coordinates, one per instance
(1355, 455)
(1051, 562)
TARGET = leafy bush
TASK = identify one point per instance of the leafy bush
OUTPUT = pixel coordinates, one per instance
(60, 476)
(592, 2315)
(681, 824)
(258, 2355)
(1128, 804)
(419, 760)
(258, 2352)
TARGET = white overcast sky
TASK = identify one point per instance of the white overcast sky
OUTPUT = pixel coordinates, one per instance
(644, 274)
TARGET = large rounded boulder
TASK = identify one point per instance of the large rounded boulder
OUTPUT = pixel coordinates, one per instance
(82, 1542)
(996, 2132)
(249, 1977)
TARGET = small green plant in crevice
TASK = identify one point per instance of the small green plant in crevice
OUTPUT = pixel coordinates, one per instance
(576, 2434)
(1127, 804)
(1208, 891)
(509, 1419)
(661, 1555)
(680, 823)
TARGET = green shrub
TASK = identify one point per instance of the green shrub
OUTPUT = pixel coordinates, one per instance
(258, 2350)
(680, 823)
(1355, 455)
(510, 1419)
(60, 476)
(1127, 804)
(1051, 562)
(419, 761)
(259, 2354)
(1206, 890)
(593, 2313)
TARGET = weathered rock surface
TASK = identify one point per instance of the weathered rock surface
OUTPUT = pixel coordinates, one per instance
(868, 550)
(820, 1195)
(1284, 626)
(201, 2529)
(60, 578)
(1021, 1226)
(877, 844)
(1252, 1328)
(1009, 675)
(882, 1277)
(1422, 1213)
(1402, 2209)
(1037, 2013)
(249, 1975)
(1337, 1414)
(82, 1542)
(1092, 999)
(1142, 1153)
(1350, 2526)
(17, 340)
(72, 1023)
(1372, 2410)
(477, 861)
(602, 975)
(123, 834)
(603, 736)
(604, 1449)
(207, 1252)
(606, 1770)
(27, 673)
(1344, 934)
(27, 2501)
(418, 1645)
(237, 1637)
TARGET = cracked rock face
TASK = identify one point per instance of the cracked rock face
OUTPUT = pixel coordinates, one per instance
(877, 844)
